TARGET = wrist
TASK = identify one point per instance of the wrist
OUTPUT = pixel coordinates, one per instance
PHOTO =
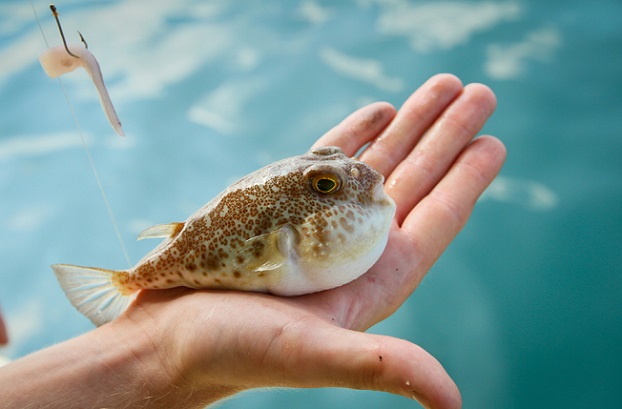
(122, 364)
(147, 359)
(162, 357)
(98, 369)
(132, 362)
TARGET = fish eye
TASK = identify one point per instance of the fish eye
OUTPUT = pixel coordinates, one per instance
(325, 183)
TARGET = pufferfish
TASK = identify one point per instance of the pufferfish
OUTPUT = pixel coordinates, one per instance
(300, 225)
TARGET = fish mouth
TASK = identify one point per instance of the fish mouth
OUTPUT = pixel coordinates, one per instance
(381, 197)
(378, 193)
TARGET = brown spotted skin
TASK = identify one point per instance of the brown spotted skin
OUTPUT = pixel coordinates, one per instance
(211, 250)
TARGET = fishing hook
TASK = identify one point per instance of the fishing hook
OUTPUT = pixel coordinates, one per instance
(83, 40)
(60, 29)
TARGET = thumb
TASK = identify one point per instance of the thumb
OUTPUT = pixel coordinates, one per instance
(336, 357)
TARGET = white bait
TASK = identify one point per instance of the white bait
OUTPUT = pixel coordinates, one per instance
(65, 58)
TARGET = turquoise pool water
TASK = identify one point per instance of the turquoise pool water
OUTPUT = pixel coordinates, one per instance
(523, 310)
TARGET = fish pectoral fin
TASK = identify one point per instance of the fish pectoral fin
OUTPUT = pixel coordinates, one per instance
(269, 251)
(170, 230)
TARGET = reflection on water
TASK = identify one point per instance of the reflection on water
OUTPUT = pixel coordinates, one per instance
(528, 194)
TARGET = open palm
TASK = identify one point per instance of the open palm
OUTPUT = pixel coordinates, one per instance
(216, 343)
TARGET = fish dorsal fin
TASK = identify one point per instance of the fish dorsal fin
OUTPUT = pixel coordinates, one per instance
(269, 251)
(170, 231)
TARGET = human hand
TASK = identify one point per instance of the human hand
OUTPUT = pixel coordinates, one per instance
(216, 343)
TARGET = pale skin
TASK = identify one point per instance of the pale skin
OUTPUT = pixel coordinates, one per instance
(186, 349)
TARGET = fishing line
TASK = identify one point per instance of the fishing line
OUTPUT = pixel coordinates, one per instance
(113, 220)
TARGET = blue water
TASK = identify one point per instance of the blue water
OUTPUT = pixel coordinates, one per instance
(525, 307)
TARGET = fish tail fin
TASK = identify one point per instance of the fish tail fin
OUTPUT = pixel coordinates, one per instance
(94, 292)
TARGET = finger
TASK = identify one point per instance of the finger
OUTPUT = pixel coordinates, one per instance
(413, 119)
(424, 235)
(440, 216)
(337, 357)
(437, 150)
(358, 128)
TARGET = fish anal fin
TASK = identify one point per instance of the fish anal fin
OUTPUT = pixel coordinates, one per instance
(95, 292)
(170, 230)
